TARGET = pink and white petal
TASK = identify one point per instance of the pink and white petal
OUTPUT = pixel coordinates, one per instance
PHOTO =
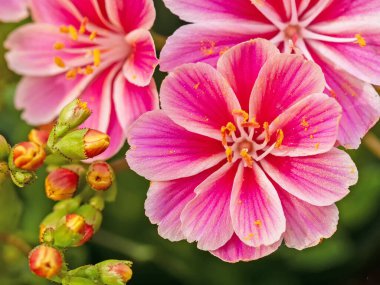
(206, 218)
(201, 10)
(98, 96)
(275, 11)
(206, 42)
(142, 61)
(132, 101)
(283, 81)
(310, 126)
(59, 12)
(235, 250)
(306, 225)
(162, 150)
(13, 10)
(256, 211)
(241, 65)
(166, 200)
(320, 180)
(32, 51)
(34, 96)
(361, 62)
(130, 15)
(198, 98)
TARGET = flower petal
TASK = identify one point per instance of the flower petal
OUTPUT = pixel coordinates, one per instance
(13, 10)
(256, 211)
(284, 80)
(320, 180)
(306, 224)
(206, 42)
(61, 12)
(206, 219)
(167, 199)
(198, 98)
(161, 150)
(201, 10)
(235, 250)
(132, 101)
(142, 61)
(241, 65)
(310, 126)
(130, 15)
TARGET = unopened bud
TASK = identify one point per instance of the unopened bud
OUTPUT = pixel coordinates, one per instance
(92, 216)
(115, 272)
(51, 221)
(74, 232)
(83, 144)
(22, 178)
(97, 202)
(4, 149)
(39, 137)
(45, 261)
(61, 184)
(100, 176)
(69, 205)
(28, 156)
(71, 116)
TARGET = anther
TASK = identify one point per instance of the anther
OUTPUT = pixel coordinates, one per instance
(247, 158)
(266, 129)
(83, 25)
(360, 40)
(59, 46)
(59, 62)
(280, 138)
(241, 113)
(92, 36)
(229, 154)
(97, 59)
(73, 33)
(71, 74)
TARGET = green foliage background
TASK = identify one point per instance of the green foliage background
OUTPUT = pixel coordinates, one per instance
(351, 256)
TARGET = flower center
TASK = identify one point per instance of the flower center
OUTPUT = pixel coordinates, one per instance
(292, 32)
(248, 140)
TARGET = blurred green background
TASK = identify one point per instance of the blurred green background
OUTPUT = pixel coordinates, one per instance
(350, 257)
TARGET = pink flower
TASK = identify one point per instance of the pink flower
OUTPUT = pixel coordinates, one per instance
(13, 10)
(100, 51)
(243, 156)
(342, 36)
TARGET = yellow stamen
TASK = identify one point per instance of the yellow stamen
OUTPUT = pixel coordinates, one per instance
(229, 154)
(71, 74)
(92, 36)
(73, 33)
(258, 223)
(82, 28)
(59, 46)
(64, 29)
(241, 113)
(96, 54)
(247, 158)
(89, 70)
(280, 138)
(231, 128)
(252, 123)
(317, 145)
(223, 131)
(360, 40)
(59, 62)
(266, 128)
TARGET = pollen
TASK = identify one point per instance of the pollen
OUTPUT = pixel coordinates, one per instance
(241, 113)
(207, 48)
(196, 86)
(92, 36)
(229, 154)
(231, 128)
(317, 145)
(59, 46)
(88, 70)
(97, 59)
(64, 29)
(71, 74)
(59, 62)
(266, 128)
(258, 223)
(360, 40)
(83, 25)
(305, 123)
(73, 33)
(280, 138)
(247, 158)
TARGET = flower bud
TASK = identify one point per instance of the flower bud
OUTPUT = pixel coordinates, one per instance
(71, 116)
(100, 176)
(4, 148)
(92, 216)
(83, 144)
(22, 178)
(69, 205)
(97, 202)
(115, 272)
(61, 184)
(51, 221)
(28, 156)
(45, 261)
(72, 280)
(39, 137)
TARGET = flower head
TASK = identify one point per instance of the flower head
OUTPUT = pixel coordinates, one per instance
(100, 53)
(242, 157)
(45, 261)
(28, 156)
(115, 272)
(100, 176)
(341, 36)
(61, 184)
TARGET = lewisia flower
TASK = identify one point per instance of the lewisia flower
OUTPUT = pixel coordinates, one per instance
(99, 51)
(13, 10)
(242, 156)
(341, 36)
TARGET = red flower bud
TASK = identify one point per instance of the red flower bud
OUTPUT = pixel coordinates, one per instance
(77, 224)
(95, 143)
(45, 261)
(28, 156)
(39, 136)
(61, 184)
(100, 176)
(115, 272)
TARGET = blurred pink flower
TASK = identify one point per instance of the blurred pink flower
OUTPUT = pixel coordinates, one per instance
(100, 51)
(13, 10)
(342, 36)
(242, 156)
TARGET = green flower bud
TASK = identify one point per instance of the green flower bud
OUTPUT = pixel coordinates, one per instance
(72, 280)
(97, 202)
(92, 216)
(69, 205)
(115, 272)
(22, 178)
(4, 149)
